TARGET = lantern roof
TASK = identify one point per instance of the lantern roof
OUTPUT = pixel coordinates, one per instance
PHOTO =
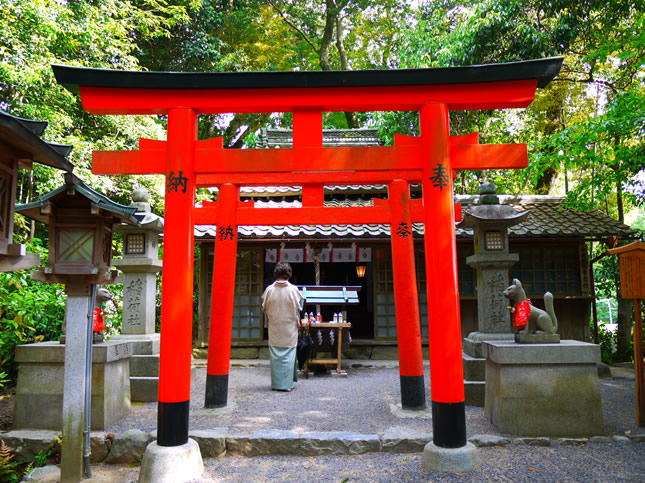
(492, 214)
(489, 211)
(74, 185)
(24, 137)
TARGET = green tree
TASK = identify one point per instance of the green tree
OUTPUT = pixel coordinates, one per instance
(346, 34)
(587, 126)
(38, 33)
(34, 35)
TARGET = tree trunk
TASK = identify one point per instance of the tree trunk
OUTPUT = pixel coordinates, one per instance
(619, 202)
(352, 123)
(625, 307)
(331, 13)
(624, 331)
(545, 182)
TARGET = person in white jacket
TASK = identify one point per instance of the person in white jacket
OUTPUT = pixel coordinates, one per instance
(282, 302)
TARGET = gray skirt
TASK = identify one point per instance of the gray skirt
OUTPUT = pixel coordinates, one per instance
(284, 368)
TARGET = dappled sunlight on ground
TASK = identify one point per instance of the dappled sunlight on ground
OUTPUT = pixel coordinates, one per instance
(358, 403)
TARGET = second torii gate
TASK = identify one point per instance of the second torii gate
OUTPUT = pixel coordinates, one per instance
(429, 159)
(399, 212)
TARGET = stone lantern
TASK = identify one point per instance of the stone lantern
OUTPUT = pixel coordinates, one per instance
(492, 261)
(80, 223)
(20, 146)
(140, 263)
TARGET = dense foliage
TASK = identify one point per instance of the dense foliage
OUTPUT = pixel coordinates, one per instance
(584, 131)
(29, 312)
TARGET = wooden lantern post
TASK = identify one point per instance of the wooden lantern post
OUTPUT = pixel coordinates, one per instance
(631, 262)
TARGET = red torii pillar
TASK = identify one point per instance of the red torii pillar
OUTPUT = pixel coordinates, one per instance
(177, 294)
(406, 298)
(444, 321)
(221, 313)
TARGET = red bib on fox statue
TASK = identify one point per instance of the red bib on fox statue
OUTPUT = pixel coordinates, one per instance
(99, 324)
(522, 312)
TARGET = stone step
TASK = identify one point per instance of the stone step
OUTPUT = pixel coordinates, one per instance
(142, 344)
(144, 365)
(475, 392)
(144, 389)
(146, 346)
(474, 368)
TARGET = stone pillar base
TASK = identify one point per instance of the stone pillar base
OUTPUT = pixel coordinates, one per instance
(455, 460)
(39, 392)
(171, 464)
(544, 389)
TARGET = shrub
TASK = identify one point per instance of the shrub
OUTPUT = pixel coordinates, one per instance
(29, 312)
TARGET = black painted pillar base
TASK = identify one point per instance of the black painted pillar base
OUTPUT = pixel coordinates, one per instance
(172, 423)
(216, 391)
(413, 392)
(449, 424)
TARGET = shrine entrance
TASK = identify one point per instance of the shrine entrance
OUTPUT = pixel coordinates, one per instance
(429, 159)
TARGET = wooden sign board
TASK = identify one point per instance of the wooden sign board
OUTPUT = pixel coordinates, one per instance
(631, 262)
(632, 275)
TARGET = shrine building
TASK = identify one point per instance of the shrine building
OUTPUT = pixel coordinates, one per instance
(551, 243)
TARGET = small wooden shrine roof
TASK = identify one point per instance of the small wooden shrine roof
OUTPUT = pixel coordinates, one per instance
(73, 184)
(24, 138)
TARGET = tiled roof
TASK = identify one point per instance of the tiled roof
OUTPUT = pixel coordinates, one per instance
(283, 138)
(547, 219)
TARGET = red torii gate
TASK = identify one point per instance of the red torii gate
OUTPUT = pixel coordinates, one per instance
(429, 159)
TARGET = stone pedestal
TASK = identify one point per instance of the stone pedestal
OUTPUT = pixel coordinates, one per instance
(543, 389)
(475, 366)
(39, 393)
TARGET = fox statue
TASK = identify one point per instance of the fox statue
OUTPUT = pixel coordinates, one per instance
(528, 318)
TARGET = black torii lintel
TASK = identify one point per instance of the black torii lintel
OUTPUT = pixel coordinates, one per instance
(543, 70)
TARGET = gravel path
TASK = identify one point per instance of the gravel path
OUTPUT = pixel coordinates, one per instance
(361, 402)
(587, 463)
(519, 463)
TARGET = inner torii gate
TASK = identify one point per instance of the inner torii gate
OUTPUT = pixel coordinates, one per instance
(429, 159)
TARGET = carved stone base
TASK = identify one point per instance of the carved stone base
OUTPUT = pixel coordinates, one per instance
(537, 338)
